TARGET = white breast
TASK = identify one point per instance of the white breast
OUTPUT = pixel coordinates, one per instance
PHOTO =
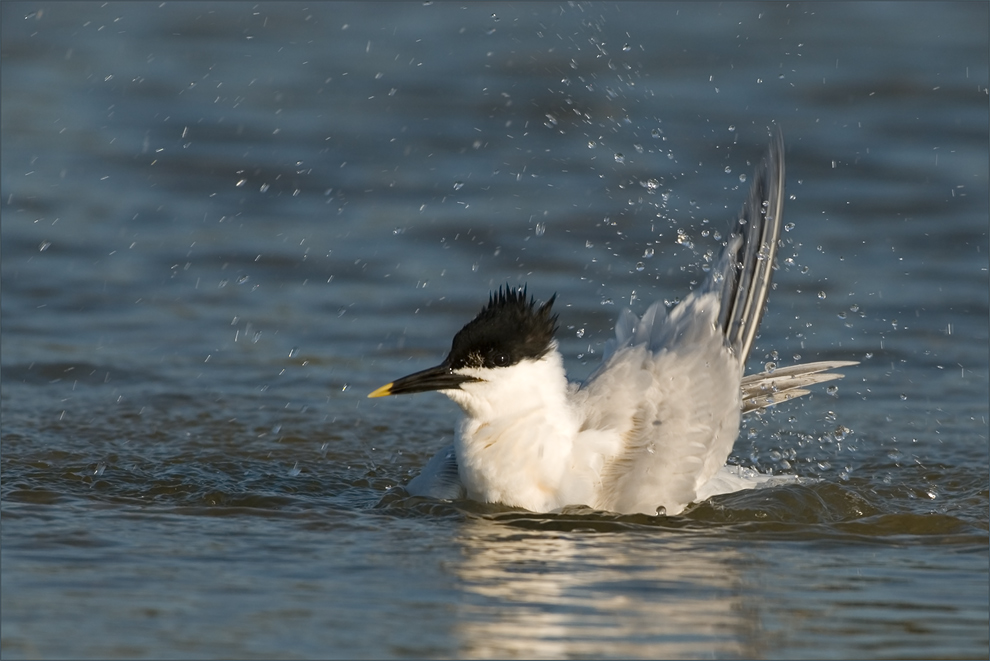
(516, 444)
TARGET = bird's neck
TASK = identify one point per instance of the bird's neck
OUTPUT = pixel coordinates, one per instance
(515, 444)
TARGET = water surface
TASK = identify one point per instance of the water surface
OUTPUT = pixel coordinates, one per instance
(224, 224)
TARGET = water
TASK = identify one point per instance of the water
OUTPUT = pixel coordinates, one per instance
(224, 224)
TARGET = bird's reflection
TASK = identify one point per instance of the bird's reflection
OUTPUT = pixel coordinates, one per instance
(549, 594)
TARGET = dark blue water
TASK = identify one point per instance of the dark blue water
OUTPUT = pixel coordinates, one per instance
(224, 224)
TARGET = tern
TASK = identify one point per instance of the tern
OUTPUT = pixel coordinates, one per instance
(651, 429)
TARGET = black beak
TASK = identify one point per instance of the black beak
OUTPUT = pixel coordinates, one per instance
(440, 377)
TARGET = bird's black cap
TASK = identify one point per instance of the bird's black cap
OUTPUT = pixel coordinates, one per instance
(506, 331)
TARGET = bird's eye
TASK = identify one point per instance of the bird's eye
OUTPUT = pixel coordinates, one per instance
(500, 359)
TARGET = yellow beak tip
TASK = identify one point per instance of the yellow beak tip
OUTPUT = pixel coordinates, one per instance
(384, 391)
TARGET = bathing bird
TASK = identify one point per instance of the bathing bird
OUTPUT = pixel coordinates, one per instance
(651, 429)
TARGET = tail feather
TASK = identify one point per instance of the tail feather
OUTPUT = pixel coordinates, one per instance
(768, 388)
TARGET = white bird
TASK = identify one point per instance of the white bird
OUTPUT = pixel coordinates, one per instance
(651, 429)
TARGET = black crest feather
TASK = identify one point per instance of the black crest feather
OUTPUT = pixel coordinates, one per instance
(507, 330)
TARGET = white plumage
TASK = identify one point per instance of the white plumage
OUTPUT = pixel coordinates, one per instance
(651, 429)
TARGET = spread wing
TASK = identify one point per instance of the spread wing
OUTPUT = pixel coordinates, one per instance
(671, 396)
(670, 384)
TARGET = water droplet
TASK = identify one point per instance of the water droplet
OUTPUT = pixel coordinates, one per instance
(244, 278)
(458, 185)
(656, 133)
(742, 178)
(619, 158)
(580, 333)
(770, 367)
(728, 170)
(44, 245)
(626, 48)
(540, 229)
(648, 253)
(652, 185)
(640, 266)
(661, 511)
(100, 467)
(294, 470)
(821, 295)
(832, 390)
(788, 227)
(591, 144)
(903, 397)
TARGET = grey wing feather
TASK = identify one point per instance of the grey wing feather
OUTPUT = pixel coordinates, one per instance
(746, 266)
(625, 326)
(439, 478)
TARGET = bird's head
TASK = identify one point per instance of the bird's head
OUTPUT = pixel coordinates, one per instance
(509, 332)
